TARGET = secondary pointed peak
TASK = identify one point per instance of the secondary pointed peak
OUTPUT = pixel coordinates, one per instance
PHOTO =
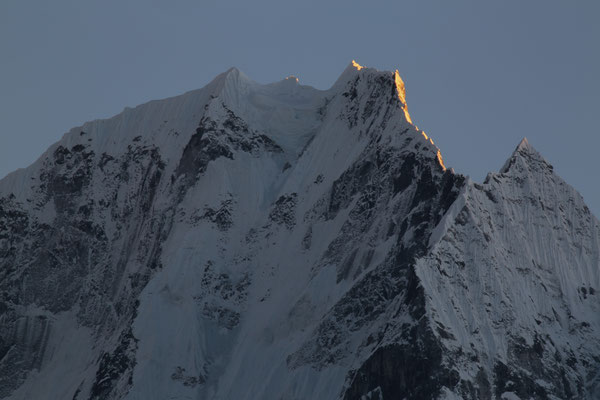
(525, 154)
(230, 83)
(235, 73)
(524, 145)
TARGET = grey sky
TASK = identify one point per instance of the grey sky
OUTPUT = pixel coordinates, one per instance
(479, 75)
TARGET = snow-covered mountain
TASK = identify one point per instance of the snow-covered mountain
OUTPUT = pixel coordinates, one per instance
(248, 241)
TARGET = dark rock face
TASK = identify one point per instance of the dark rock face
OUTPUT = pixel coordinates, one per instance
(528, 368)
(114, 367)
(202, 148)
(23, 342)
(221, 216)
(229, 292)
(68, 264)
(215, 139)
(187, 380)
(404, 371)
(284, 210)
(14, 224)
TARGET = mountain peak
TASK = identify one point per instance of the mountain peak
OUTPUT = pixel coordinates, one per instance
(526, 156)
(234, 74)
(232, 77)
(170, 221)
(234, 70)
(524, 145)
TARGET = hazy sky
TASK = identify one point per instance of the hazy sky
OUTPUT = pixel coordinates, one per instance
(479, 75)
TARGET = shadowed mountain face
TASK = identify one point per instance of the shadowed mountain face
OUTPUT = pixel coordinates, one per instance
(248, 241)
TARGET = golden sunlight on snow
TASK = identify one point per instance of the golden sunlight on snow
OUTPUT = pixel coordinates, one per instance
(439, 154)
(426, 137)
(402, 94)
(440, 160)
(357, 65)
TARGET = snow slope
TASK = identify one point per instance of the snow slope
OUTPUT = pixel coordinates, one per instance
(247, 241)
